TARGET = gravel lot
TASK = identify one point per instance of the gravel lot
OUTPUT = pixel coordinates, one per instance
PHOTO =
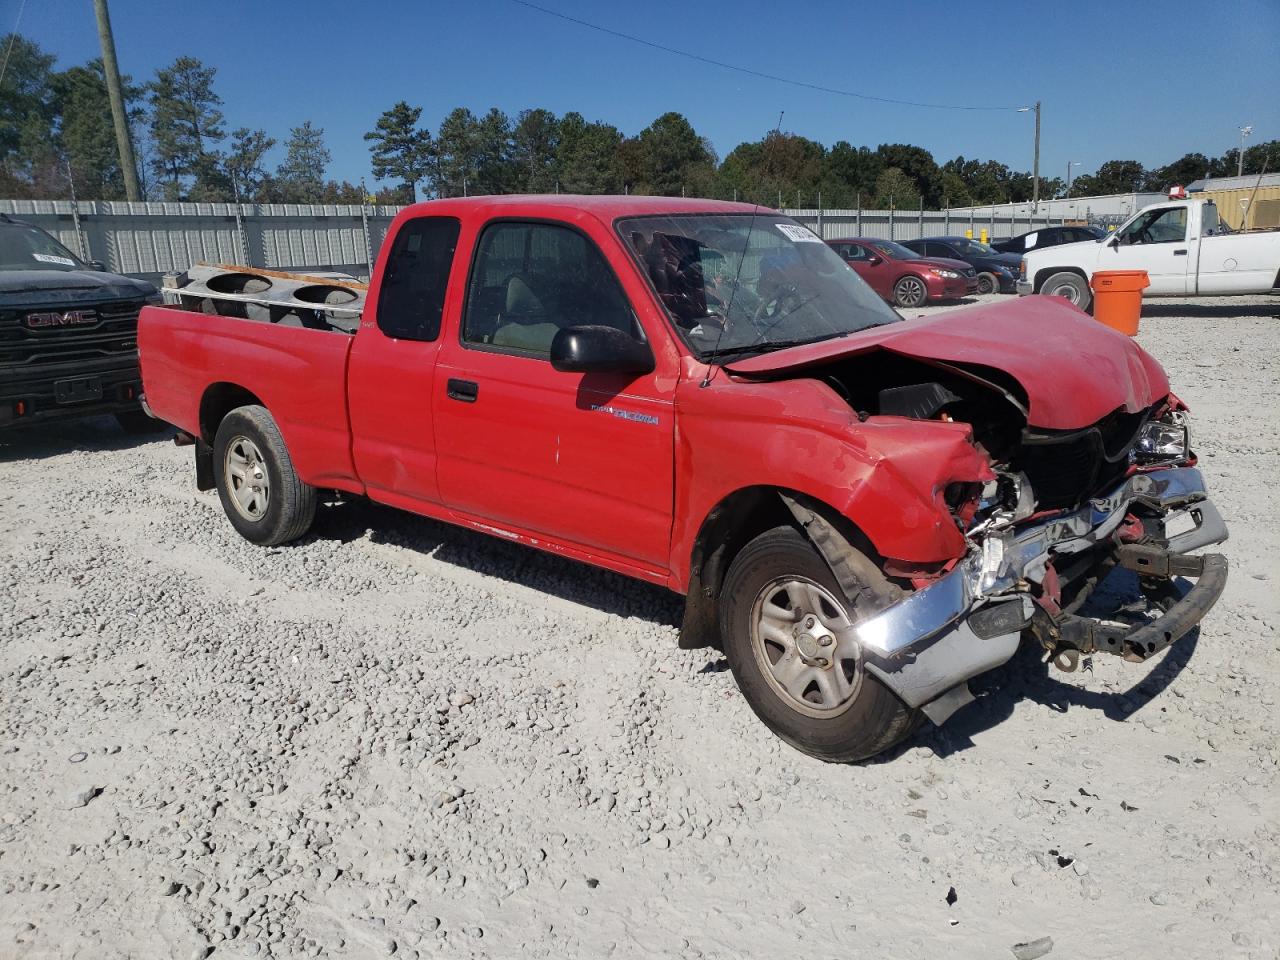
(401, 738)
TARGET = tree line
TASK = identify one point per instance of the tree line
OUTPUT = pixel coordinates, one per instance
(56, 133)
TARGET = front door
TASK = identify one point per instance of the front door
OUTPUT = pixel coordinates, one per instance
(1155, 241)
(580, 458)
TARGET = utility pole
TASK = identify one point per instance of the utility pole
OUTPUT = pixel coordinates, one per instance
(1035, 166)
(1244, 132)
(128, 167)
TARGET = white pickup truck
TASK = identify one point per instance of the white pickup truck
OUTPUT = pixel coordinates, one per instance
(1183, 246)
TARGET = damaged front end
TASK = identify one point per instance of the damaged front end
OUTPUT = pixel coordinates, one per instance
(1038, 549)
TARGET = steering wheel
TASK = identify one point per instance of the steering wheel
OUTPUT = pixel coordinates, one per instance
(771, 309)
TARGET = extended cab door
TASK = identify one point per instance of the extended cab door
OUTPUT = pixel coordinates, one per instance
(392, 368)
(580, 459)
(1155, 241)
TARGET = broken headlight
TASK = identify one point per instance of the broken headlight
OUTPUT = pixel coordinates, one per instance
(1164, 439)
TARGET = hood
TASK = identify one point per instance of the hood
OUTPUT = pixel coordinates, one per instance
(39, 287)
(1080, 246)
(1009, 260)
(944, 263)
(1073, 370)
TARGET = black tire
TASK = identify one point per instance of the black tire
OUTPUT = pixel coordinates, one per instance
(910, 291)
(872, 719)
(282, 508)
(138, 424)
(1070, 286)
(988, 283)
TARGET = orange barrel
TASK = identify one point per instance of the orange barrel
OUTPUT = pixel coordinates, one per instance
(1117, 298)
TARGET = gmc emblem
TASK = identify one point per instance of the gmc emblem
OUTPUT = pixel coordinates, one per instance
(72, 318)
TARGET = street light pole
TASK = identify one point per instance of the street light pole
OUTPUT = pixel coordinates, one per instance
(1244, 132)
(111, 70)
(1035, 168)
(1070, 164)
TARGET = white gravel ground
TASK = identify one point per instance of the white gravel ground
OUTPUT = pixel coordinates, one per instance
(400, 738)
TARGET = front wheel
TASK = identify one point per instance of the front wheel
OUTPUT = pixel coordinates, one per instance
(782, 614)
(1070, 286)
(261, 493)
(988, 283)
(910, 292)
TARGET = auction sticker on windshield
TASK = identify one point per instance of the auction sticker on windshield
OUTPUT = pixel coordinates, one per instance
(797, 234)
(49, 258)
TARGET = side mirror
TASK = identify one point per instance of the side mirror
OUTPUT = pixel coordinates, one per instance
(593, 349)
(873, 260)
(97, 265)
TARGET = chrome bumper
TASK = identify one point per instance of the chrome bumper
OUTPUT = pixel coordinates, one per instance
(926, 646)
(1024, 288)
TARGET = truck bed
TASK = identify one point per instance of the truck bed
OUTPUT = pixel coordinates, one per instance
(189, 362)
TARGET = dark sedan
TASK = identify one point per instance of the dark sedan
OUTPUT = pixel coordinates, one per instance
(1047, 237)
(997, 272)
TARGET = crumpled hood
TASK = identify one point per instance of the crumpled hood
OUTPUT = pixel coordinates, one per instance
(1073, 370)
(40, 287)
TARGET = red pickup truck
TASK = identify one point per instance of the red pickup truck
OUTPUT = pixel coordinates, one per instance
(863, 511)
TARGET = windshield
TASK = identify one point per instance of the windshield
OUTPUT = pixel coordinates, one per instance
(736, 284)
(26, 248)
(972, 248)
(895, 251)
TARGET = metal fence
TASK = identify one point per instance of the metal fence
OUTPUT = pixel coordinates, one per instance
(150, 239)
(998, 222)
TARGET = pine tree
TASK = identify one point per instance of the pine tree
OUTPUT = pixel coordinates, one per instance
(185, 123)
(399, 149)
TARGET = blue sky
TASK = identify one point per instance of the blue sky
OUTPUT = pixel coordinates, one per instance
(1119, 80)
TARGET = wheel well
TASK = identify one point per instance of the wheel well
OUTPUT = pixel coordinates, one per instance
(734, 522)
(219, 400)
(1047, 272)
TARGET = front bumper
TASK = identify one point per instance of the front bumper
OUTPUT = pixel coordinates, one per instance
(927, 646)
(1024, 288)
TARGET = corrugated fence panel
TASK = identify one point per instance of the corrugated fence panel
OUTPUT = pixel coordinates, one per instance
(151, 239)
(913, 224)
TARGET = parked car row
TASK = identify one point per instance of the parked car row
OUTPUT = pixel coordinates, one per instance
(904, 277)
(933, 269)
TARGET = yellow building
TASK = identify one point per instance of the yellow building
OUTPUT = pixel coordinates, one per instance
(1250, 202)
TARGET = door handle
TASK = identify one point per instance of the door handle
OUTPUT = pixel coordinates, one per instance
(464, 390)
(1179, 253)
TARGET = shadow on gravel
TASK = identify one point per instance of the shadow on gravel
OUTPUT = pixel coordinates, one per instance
(42, 440)
(515, 563)
(1222, 311)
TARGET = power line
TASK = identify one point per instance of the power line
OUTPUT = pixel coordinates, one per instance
(747, 70)
(12, 37)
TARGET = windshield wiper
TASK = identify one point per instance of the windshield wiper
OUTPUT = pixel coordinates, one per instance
(769, 347)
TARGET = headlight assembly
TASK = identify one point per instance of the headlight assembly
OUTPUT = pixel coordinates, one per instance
(945, 274)
(1166, 439)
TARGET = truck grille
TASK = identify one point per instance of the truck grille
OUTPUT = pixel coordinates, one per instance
(1066, 469)
(113, 333)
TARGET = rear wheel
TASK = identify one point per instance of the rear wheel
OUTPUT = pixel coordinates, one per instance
(988, 283)
(782, 614)
(1070, 286)
(910, 291)
(261, 493)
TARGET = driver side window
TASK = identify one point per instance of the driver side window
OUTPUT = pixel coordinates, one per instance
(1158, 226)
(531, 280)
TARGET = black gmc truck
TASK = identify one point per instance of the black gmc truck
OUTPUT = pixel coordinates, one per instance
(68, 334)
